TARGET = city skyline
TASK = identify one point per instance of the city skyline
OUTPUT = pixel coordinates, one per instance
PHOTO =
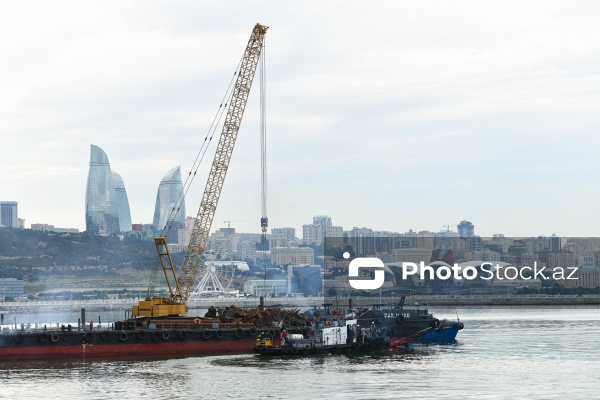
(425, 116)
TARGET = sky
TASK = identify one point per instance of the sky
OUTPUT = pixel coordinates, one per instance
(390, 115)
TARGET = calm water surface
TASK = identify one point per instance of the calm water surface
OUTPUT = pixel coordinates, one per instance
(507, 353)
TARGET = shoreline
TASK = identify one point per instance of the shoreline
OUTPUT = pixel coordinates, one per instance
(450, 300)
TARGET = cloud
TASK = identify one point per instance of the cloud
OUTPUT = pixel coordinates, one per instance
(374, 111)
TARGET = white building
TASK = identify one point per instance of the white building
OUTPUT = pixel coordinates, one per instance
(334, 236)
(246, 249)
(277, 241)
(289, 234)
(292, 255)
(184, 234)
(269, 287)
(320, 229)
(312, 234)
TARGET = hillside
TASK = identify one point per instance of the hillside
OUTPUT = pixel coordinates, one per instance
(50, 261)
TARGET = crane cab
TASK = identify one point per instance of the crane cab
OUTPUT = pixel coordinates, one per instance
(159, 307)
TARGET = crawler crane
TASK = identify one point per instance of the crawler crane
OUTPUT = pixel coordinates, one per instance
(182, 284)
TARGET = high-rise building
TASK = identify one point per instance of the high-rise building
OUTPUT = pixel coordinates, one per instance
(101, 210)
(362, 241)
(466, 229)
(9, 214)
(246, 249)
(170, 204)
(321, 229)
(312, 234)
(122, 204)
(554, 243)
(323, 220)
(288, 234)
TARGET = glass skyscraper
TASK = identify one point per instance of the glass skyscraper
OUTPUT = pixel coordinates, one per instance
(101, 210)
(169, 199)
(122, 203)
(466, 229)
(8, 214)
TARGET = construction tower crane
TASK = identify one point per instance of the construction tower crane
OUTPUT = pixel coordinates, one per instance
(181, 286)
(228, 222)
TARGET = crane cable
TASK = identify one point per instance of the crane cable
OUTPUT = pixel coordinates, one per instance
(263, 133)
(192, 174)
(264, 221)
(203, 149)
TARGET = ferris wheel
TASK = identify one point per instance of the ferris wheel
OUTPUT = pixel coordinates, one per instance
(215, 279)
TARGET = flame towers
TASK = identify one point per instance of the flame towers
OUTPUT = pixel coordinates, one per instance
(170, 205)
(122, 203)
(105, 199)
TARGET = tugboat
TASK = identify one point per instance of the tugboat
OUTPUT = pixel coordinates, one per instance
(341, 336)
(366, 330)
(400, 325)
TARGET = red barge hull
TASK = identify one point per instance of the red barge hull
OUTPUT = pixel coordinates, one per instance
(132, 343)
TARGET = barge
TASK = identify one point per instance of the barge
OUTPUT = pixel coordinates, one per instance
(135, 337)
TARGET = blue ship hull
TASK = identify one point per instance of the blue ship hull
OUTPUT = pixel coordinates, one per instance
(443, 334)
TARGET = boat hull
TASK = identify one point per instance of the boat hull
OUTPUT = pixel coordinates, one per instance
(400, 330)
(48, 345)
(443, 334)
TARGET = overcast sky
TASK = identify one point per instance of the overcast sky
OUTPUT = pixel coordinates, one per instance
(389, 115)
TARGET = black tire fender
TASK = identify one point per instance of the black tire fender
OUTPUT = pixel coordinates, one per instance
(19, 338)
(43, 337)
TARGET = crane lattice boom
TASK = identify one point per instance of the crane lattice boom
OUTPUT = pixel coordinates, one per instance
(218, 170)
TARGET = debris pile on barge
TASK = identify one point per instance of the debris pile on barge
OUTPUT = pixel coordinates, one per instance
(260, 317)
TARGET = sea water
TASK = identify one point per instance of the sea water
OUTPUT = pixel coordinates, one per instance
(503, 353)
